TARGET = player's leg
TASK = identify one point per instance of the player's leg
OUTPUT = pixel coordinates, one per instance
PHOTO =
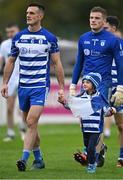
(32, 122)
(10, 118)
(101, 150)
(38, 163)
(12, 92)
(33, 103)
(22, 125)
(31, 134)
(21, 164)
(119, 123)
(107, 126)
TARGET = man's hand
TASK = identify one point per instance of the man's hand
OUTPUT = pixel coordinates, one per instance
(72, 90)
(4, 90)
(117, 98)
(61, 97)
(111, 111)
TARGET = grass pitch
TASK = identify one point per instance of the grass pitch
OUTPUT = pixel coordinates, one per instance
(58, 143)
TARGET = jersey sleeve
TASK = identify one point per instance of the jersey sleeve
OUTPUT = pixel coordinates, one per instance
(53, 44)
(77, 70)
(2, 51)
(14, 48)
(118, 57)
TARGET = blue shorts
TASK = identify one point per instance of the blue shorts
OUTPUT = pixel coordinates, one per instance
(106, 89)
(31, 96)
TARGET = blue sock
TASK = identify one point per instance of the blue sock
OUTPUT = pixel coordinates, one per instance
(121, 153)
(37, 154)
(25, 155)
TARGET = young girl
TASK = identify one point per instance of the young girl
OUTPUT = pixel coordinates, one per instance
(91, 106)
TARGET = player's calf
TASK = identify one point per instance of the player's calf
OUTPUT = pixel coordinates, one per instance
(101, 158)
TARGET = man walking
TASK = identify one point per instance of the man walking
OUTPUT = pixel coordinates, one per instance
(34, 46)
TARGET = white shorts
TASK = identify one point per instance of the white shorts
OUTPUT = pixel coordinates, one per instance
(12, 87)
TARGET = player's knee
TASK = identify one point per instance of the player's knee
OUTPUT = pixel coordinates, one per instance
(31, 124)
(10, 110)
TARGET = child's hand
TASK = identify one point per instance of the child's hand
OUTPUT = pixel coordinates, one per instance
(64, 103)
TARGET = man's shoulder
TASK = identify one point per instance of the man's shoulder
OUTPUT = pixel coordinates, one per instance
(6, 42)
(121, 41)
(85, 36)
(102, 33)
(20, 33)
(48, 34)
(110, 35)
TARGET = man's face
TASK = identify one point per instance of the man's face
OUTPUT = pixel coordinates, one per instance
(33, 15)
(109, 27)
(96, 21)
(11, 31)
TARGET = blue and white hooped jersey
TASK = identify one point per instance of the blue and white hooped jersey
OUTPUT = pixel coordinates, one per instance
(94, 122)
(114, 76)
(114, 69)
(34, 50)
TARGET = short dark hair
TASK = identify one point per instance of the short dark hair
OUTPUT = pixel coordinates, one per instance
(113, 21)
(99, 9)
(11, 24)
(41, 7)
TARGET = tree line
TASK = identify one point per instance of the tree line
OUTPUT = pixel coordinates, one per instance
(66, 18)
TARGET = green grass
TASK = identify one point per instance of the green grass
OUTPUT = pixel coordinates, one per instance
(59, 142)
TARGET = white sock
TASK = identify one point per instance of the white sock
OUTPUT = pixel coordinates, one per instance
(10, 132)
(107, 132)
(22, 126)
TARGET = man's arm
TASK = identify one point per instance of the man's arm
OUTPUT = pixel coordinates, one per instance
(7, 74)
(58, 69)
(77, 70)
(1, 63)
(59, 74)
(2, 56)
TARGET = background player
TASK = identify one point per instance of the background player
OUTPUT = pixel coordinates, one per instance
(5, 50)
(112, 25)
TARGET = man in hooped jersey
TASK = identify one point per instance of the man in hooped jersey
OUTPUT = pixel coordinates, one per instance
(112, 24)
(34, 46)
(96, 50)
